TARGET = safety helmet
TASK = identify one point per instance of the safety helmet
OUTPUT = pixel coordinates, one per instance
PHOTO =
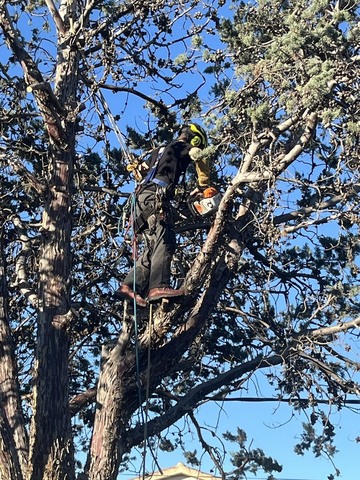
(198, 134)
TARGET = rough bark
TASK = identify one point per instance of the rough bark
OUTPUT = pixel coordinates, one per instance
(51, 448)
(112, 417)
(13, 437)
(52, 451)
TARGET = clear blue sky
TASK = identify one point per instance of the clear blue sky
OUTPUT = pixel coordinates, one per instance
(275, 429)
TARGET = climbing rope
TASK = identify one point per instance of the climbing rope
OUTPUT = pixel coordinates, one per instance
(114, 126)
(136, 326)
(144, 413)
(147, 388)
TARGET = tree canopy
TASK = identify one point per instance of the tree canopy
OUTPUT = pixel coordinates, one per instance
(272, 280)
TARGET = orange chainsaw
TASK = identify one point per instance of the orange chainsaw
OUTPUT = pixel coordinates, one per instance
(204, 203)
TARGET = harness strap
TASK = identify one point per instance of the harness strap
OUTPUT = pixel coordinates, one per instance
(151, 174)
(159, 182)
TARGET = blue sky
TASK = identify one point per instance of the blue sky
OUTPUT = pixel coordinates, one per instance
(274, 428)
(271, 426)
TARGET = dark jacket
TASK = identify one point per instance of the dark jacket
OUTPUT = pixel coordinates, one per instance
(174, 160)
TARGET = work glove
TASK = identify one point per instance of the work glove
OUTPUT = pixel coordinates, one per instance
(133, 168)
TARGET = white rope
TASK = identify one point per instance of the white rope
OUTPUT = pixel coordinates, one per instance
(115, 126)
(147, 389)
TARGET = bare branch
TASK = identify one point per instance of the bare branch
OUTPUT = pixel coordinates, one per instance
(30, 177)
(21, 266)
(196, 394)
(315, 206)
(56, 16)
(325, 331)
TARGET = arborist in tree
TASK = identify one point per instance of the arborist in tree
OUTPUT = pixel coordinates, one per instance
(153, 219)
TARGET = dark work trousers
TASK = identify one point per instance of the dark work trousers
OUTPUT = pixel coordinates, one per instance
(152, 268)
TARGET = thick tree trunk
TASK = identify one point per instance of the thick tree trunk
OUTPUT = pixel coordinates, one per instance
(13, 438)
(113, 411)
(51, 442)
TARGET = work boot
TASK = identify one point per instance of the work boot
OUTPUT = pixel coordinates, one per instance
(126, 293)
(165, 292)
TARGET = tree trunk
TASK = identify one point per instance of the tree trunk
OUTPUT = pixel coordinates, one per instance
(51, 449)
(51, 445)
(113, 402)
(13, 437)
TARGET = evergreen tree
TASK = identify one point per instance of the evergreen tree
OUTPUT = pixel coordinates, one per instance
(271, 281)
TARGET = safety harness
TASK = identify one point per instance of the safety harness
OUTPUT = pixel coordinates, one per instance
(141, 219)
(150, 177)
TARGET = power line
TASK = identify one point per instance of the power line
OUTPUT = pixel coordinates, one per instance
(281, 400)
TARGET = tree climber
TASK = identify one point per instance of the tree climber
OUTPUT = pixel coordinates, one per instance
(153, 218)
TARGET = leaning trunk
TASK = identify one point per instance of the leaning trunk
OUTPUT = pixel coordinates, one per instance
(13, 438)
(115, 406)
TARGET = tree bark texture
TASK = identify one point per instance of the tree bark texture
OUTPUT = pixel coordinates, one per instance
(13, 437)
(51, 448)
(51, 445)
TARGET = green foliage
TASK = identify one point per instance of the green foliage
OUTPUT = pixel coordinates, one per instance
(320, 444)
(191, 458)
(282, 280)
(248, 459)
